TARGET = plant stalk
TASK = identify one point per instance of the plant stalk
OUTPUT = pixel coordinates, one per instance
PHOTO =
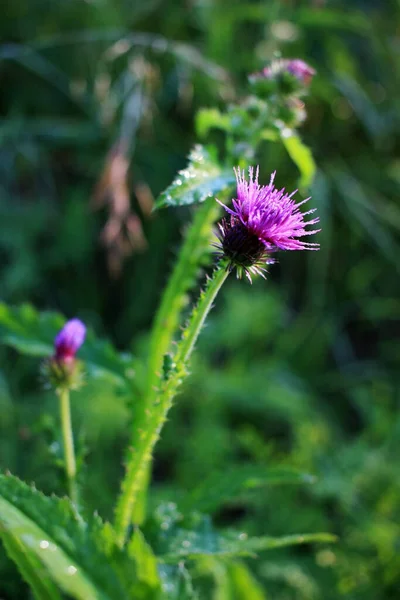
(148, 429)
(68, 443)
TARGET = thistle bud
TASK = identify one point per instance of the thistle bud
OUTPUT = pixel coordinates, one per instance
(284, 76)
(63, 370)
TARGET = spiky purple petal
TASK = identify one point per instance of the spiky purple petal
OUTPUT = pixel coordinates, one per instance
(262, 220)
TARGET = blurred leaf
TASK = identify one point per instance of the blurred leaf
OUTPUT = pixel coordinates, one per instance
(203, 178)
(30, 567)
(244, 585)
(33, 333)
(176, 582)
(224, 486)
(211, 118)
(301, 156)
(66, 545)
(233, 580)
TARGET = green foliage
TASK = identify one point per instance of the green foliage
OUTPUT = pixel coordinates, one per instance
(46, 536)
(203, 178)
(300, 372)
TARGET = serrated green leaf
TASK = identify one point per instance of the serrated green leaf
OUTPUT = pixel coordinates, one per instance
(301, 156)
(69, 548)
(219, 488)
(30, 568)
(211, 118)
(203, 178)
(33, 333)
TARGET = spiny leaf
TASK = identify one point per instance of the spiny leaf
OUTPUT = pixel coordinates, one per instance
(222, 487)
(176, 536)
(203, 178)
(33, 333)
(69, 548)
(191, 544)
(211, 118)
(301, 155)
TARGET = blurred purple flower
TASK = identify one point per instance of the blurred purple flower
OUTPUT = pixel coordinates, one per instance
(263, 220)
(294, 66)
(69, 340)
(301, 70)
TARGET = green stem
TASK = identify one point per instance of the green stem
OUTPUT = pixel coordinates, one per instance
(200, 313)
(148, 429)
(68, 442)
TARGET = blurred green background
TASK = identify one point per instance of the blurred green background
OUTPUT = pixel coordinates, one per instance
(301, 370)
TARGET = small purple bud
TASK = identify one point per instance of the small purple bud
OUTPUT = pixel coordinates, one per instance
(69, 340)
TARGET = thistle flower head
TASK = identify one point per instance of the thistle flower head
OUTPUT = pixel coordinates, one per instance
(262, 220)
(69, 339)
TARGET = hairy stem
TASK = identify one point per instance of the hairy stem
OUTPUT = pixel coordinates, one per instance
(68, 442)
(166, 321)
(148, 430)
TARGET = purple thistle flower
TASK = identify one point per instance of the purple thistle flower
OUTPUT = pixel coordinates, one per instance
(69, 340)
(301, 70)
(263, 220)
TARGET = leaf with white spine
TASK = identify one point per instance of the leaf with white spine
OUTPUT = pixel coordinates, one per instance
(203, 178)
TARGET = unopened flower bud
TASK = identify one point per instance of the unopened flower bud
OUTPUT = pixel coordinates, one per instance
(69, 339)
(63, 370)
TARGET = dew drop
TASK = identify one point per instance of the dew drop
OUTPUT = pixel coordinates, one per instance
(71, 570)
(44, 544)
(243, 536)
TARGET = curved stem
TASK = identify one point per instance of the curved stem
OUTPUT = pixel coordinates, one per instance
(200, 313)
(68, 442)
(147, 431)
